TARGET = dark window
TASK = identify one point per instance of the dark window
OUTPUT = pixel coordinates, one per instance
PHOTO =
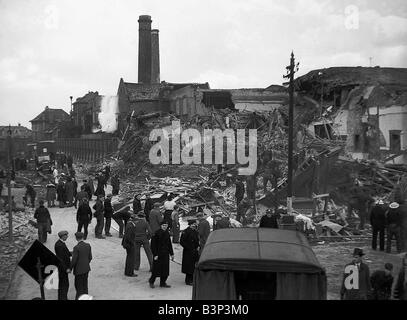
(256, 285)
(395, 141)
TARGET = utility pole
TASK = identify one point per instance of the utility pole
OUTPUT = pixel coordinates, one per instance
(10, 167)
(291, 69)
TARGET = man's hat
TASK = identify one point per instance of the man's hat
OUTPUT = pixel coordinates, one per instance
(394, 205)
(79, 235)
(163, 222)
(62, 233)
(358, 252)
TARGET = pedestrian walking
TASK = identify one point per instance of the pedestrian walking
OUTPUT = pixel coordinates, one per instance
(148, 206)
(204, 229)
(382, 282)
(175, 225)
(364, 287)
(108, 214)
(269, 220)
(156, 218)
(378, 223)
(69, 192)
(81, 258)
(190, 255)
(162, 251)
(64, 255)
(99, 215)
(84, 217)
(240, 190)
(400, 289)
(142, 236)
(61, 193)
(129, 243)
(393, 224)
(121, 217)
(51, 194)
(44, 221)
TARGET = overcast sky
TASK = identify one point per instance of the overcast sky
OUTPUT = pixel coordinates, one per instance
(50, 50)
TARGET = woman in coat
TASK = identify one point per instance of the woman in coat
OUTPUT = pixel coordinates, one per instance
(69, 192)
(162, 250)
(61, 193)
(190, 255)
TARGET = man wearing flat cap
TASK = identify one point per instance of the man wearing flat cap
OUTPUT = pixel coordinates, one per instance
(353, 271)
(190, 255)
(64, 268)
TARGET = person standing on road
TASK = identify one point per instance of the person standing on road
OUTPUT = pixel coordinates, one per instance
(99, 215)
(364, 287)
(190, 255)
(91, 187)
(169, 205)
(136, 204)
(108, 214)
(69, 191)
(142, 236)
(30, 192)
(393, 222)
(121, 217)
(175, 225)
(100, 189)
(269, 220)
(115, 182)
(44, 221)
(51, 194)
(378, 223)
(162, 251)
(400, 290)
(84, 217)
(64, 255)
(61, 193)
(204, 229)
(81, 258)
(156, 218)
(81, 196)
(129, 243)
(382, 282)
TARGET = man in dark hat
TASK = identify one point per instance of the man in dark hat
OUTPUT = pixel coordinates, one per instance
(44, 221)
(190, 255)
(269, 220)
(64, 255)
(108, 209)
(129, 243)
(393, 223)
(81, 258)
(142, 236)
(162, 251)
(84, 217)
(382, 282)
(204, 229)
(156, 218)
(356, 279)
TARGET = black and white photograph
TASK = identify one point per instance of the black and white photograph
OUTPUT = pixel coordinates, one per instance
(225, 151)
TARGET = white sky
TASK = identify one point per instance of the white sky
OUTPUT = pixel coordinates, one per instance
(50, 50)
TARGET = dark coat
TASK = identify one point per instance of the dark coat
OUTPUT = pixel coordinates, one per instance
(400, 292)
(364, 285)
(123, 214)
(82, 195)
(204, 229)
(61, 192)
(84, 213)
(155, 219)
(42, 215)
(142, 230)
(98, 207)
(129, 238)
(69, 191)
(378, 216)
(190, 255)
(81, 258)
(63, 254)
(266, 222)
(381, 285)
(108, 208)
(148, 206)
(393, 217)
(162, 248)
(136, 206)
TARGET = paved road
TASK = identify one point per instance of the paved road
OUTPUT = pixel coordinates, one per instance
(106, 279)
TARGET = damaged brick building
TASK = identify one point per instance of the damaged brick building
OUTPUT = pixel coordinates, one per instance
(367, 107)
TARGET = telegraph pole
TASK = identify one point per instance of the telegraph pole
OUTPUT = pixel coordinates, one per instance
(10, 167)
(290, 75)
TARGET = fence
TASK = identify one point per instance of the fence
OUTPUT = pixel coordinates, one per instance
(87, 149)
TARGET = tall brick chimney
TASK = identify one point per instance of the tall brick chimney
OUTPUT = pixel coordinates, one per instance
(144, 49)
(155, 57)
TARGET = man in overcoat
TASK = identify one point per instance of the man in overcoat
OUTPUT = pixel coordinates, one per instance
(64, 255)
(129, 243)
(162, 251)
(81, 258)
(190, 255)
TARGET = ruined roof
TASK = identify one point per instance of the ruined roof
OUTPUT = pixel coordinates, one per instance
(87, 97)
(16, 131)
(351, 76)
(51, 115)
